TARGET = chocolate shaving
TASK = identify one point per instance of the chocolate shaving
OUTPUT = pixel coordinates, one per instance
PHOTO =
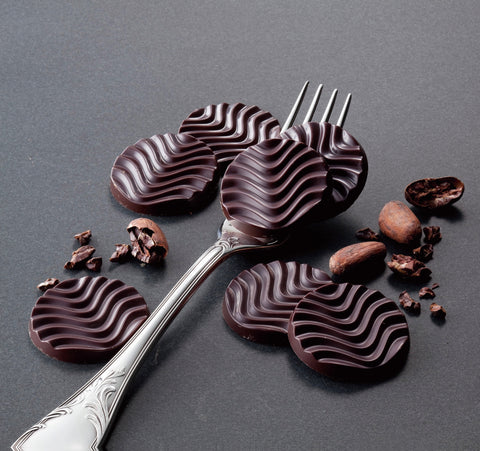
(408, 267)
(408, 303)
(423, 253)
(367, 234)
(49, 283)
(432, 234)
(122, 253)
(84, 237)
(79, 257)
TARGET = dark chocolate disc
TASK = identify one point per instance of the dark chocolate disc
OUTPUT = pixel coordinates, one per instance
(346, 161)
(349, 332)
(259, 301)
(230, 128)
(86, 320)
(164, 174)
(272, 186)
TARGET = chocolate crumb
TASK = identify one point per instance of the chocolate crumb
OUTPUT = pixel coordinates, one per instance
(94, 264)
(79, 257)
(408, 267)
(432, 234)
(49, 283)
(367, 234)
(435, 286)
(149, 244)
(408, 303)
(423, 253)
(426, 293)
(122, 253)
(84, 237)
(437, 311)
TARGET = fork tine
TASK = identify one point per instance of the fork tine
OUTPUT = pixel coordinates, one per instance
(344, 112)
(328, 110)
(313, 105)
(296, 106)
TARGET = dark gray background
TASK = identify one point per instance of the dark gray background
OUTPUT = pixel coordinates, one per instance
(80, 82)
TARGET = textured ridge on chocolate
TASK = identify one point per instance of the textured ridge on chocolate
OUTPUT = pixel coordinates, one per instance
(272, 186)
(345, 157)
(86, 320)
(349, 332)
(230, 128)
(164, 174)
(259, 301)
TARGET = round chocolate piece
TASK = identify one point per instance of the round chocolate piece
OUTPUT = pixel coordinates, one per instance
(349, 332)
(164, 174)
(86, 320)
(272, 186)
(259, 301)
(230, 128)
(345, 158)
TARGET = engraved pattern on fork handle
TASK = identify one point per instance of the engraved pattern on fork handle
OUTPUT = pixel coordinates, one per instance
(83, 420)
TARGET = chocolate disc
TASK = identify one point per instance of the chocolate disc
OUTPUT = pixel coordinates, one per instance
(345, 158)
(86, 320)
(230, 128)
(349, 332)
(164, 174)
(259, 301)
(272, 186)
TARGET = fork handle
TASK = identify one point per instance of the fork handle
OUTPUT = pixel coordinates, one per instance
(83, 420)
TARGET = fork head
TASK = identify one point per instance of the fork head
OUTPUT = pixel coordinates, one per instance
(313, 106)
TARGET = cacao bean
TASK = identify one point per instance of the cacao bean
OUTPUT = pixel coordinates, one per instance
(356, 258)
(399, 223)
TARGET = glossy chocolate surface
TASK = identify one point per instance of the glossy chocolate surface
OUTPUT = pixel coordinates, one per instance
(273, 186)
(346, 161)
(164, 174)
(259, 301)
(349, 332)
(86, 320)
(230, 128)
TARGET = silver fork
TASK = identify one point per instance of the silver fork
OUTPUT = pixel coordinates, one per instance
(82, 421)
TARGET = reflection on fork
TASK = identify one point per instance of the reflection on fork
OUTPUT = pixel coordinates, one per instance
(82, 422)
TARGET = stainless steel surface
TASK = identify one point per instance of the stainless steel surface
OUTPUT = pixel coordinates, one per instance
(344, 112)
(296, 106)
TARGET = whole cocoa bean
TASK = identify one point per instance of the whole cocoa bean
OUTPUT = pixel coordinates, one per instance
(356, 258)
(399, 223)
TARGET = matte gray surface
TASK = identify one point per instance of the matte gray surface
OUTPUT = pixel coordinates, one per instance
(81, 82)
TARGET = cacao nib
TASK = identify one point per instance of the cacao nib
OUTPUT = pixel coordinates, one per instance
(367, 234)
(433, 193)
(426, 293)
(432, 234)
(49, 283)
(423, 253)
(408, 303)
(122, 253)
(437, 311)
(408, 267)
(84, 237)
(94, 264)
(149, 244)
(79, 257)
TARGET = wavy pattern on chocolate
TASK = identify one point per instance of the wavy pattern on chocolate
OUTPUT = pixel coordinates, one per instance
(86, 320)
(164, 174)
(230, 128)
(349, 332)
(259, 301)
(272, 186)
(346, 161)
